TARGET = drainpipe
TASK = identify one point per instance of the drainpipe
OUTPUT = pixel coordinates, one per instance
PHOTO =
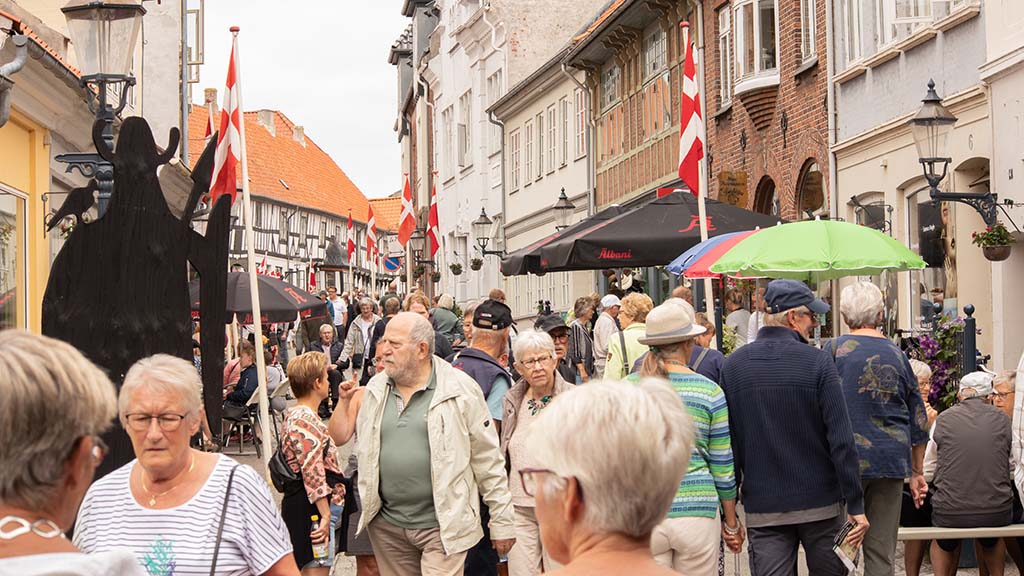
(186, 101)
(589, 130)
(486, 7)
(8, 70)
(430, 155)
(830, 100)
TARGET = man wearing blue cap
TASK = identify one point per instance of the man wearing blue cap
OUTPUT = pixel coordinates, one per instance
(792, 441)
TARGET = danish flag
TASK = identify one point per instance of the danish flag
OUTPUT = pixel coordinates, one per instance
(351, 244)
(691, 125)
(312, 275)
(432, 231)
(407, 222)
(371, 238)
(229, 139)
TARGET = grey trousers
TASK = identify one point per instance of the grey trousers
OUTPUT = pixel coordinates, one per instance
(773, 549)
(883, 498)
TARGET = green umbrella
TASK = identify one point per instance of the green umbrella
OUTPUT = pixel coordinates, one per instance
(816, 250)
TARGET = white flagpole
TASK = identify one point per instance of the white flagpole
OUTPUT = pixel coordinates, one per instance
(261, 365)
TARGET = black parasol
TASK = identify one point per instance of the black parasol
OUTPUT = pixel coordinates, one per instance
(527, 260)
(649, 235)
(279, 300)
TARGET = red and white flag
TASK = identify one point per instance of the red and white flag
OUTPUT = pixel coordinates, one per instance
(351, 244)
(371, 237)
(312, 276)
(407, 221)
(691, 125)
(229, 139)
(262, 268)
(209, 120)
(433, 234)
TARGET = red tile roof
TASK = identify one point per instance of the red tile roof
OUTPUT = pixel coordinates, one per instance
(386, 211)
(310, 177)
(24, 29)
(600, 20)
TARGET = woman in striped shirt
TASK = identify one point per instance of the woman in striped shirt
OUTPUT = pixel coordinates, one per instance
(688, 540)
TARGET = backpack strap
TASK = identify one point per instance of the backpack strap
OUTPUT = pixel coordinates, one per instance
(700, 358)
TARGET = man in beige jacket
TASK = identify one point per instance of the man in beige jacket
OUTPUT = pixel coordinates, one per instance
(427, 452)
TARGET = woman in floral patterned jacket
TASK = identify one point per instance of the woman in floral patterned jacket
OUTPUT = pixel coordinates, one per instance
(309, 450)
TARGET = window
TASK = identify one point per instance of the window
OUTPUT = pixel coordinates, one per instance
(851, 19)
(610, 77)
(540, 145)
(931, 234)
(724, 56)
(514, 160)
(528, 152)
(581, 125)
(13, 257)
(563, 106)
(807, 31)
(655, 51)
(552, 137)
(465, 113)
(322, 238)
(447, 121)
(755, 41)
(897, 19)
(493, 93)
(282, 230)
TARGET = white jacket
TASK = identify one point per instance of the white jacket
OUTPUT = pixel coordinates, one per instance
(465, 460)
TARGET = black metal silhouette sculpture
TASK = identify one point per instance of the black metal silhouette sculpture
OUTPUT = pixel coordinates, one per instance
(118, 289)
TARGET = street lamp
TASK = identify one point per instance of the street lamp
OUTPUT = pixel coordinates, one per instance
(931, 127)
(104, 35)
(482, 230)
(418, 242)
(563, 211)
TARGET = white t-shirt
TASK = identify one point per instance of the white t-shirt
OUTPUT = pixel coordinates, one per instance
(180, 540)
(340, 309)
(122, 563)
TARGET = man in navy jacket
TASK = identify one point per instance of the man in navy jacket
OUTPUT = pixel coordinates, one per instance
(793, 444)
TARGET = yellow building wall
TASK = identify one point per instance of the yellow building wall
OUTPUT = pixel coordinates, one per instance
(25, 166)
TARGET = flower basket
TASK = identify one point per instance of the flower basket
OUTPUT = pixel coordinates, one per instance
(418, 271)
(455, 268)
(476, 263)
(435, 276)
(996, 253)
(994, 241)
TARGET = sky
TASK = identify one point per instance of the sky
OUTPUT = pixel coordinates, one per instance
(324, 64)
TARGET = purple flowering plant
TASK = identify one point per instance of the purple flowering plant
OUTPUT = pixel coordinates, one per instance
(940, 350)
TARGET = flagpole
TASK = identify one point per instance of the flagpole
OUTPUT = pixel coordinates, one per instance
(261, 365)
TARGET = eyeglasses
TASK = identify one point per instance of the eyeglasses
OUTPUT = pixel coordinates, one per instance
(169, 422)
(560, 336)
(536, 361)
(1000, 395)
(529, 478)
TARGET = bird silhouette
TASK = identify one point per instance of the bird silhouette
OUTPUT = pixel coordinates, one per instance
(79, 201)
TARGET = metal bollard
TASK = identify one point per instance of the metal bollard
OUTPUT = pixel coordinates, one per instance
(719, 326)
(970, 340)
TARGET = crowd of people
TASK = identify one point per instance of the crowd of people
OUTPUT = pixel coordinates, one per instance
(618, 442)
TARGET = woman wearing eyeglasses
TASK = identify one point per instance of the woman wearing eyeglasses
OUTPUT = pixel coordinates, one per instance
(179, 510)
(46, 463)
(535, 356)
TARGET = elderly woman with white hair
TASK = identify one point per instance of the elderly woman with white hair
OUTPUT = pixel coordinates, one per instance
(179, 510)
(47, 460)
(357, 341)
(523, 403)
(445, 321)
(888, 417)
(596, 512)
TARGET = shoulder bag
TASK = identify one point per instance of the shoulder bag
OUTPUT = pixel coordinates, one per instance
(220, 524)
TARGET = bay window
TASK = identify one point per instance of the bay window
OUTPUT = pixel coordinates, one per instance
(609, 86)
(756, 49)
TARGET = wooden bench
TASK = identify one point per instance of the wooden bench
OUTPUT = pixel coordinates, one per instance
(936, 533)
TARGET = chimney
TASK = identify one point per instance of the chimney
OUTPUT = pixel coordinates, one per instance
(210, 100)
(299, 134)
(266, 119)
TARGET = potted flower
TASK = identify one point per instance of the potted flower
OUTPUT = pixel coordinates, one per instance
(456, 268)
(418, 271)
(435, 276)
(994, 241)
(476, 263)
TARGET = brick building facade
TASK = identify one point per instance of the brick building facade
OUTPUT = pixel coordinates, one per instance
(767, 115)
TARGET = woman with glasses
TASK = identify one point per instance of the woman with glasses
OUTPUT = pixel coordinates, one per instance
(47, 460)
(608, 458)
(534, 352)
(179, 510)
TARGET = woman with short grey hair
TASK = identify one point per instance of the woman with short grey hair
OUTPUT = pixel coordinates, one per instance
(174, 507)
(48, 458)
(539, 385)
(581, 342)
(445, 321)
(888, 418)
(597, 512)
(357, 341)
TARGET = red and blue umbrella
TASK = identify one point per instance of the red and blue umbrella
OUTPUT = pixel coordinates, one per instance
(695, 262)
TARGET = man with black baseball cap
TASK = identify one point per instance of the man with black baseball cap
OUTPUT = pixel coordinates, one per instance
(792, 439)
(555, 326)
(484, 360)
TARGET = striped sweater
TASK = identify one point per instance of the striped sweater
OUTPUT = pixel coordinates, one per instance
(709, 478)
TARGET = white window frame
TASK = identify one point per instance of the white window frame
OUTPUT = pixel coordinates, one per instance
(611, 82)
(739, 25)
(725, 62)
(515, 159)
(528, 152)
(808, 30)
(447, 126)
(552, 142)
(564, 110)
(494, 92)
(465, 140)
(852, 31)
(539, 123)
(581, 123)
(655, 56)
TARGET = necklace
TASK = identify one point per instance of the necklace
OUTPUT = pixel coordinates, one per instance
(675, 363)
(153, 496)
(536, 406)
(43, 528)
